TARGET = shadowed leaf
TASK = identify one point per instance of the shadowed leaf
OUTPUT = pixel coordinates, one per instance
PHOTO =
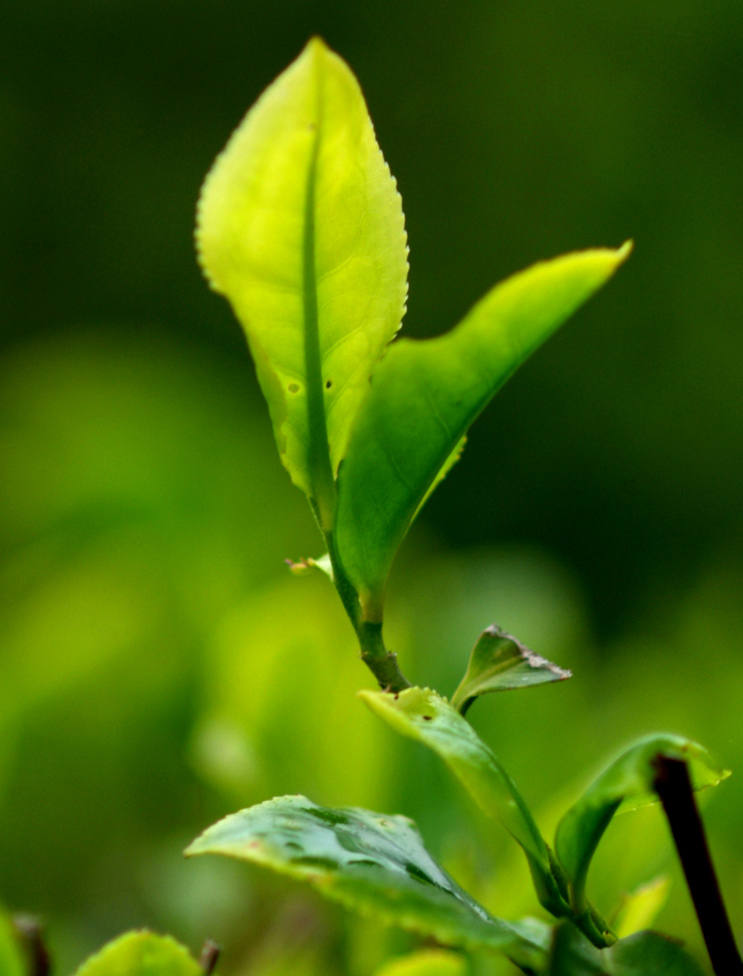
(643, 954)
(627, 783)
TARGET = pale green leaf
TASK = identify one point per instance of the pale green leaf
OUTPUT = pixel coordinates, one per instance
(499, 662)
(627, 782)
(427, 962)
(373, 863)
(11, 957)
(426, 394)
(141, 954)
(300, 225)
(639, 909)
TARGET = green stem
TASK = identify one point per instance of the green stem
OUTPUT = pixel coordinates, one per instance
(381, 662)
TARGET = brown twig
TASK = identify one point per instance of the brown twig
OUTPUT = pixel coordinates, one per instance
(209, 958)
(674, 788)
(31, 932)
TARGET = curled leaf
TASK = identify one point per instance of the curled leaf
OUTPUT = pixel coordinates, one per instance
(499, 662)
(626, 784)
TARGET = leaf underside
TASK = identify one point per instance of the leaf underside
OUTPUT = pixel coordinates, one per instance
(141, 954)
(300, 226)
(373, 863)
(500, 662)
(426, 394)
(424, 715)
(626, 784)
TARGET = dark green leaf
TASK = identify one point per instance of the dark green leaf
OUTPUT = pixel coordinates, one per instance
(499, 662)
(643, 954)
(373, 863)
(627, 783)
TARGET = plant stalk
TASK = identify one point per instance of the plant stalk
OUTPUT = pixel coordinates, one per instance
(674, 788)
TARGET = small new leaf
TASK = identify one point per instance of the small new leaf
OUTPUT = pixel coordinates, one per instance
(500, 662)
(143, 954)
(300, 226)
(628, 784)
(372, 863)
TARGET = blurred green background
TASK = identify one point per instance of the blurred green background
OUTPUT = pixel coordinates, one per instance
(158, 666)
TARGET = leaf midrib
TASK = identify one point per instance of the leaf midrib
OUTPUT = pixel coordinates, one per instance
(321, 474)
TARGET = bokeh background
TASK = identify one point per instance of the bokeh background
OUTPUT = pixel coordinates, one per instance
(158, 665)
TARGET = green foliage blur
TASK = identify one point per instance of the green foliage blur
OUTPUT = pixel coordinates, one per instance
(159, 667)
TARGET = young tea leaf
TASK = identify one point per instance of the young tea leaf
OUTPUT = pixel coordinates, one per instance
(300, 226)
(11, 957)
(499, 662)
(373, 863)
(426, 394)
(141, 954)
(627, 783)
(427, 962)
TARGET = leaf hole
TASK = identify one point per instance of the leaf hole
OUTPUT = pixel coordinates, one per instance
(293, 387)
(427, 718)
(328, 384)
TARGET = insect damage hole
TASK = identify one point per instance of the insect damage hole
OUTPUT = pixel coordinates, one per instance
(328, 384)
(293, 387)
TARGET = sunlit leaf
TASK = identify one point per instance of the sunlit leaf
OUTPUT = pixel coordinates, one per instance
(427, 962)
(11, 958)
(628, 783)
(499, 662)
(643, 954)
(373, 863)
(639, 909)
(426, 394)
(300, 225)
(141, 954)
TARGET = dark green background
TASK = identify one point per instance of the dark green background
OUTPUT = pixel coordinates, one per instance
(134, 444)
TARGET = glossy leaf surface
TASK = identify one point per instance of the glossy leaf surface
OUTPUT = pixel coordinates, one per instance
(300, 225)
(499, 662)
(141, 954)
(627, 782)
(427, 717)
(426, 394)
(373, 863)
(643, 954)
